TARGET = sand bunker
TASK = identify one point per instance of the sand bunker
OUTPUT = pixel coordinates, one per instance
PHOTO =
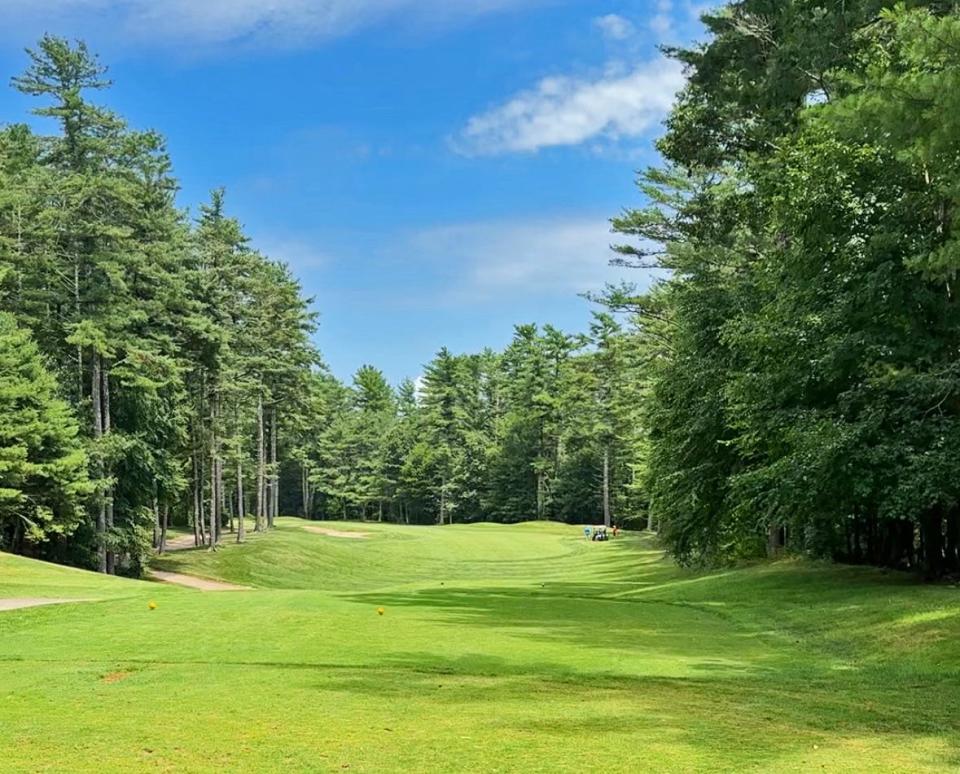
(338, 534)
(193, 582)
(16, 603)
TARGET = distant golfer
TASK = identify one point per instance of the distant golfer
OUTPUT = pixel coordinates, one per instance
(586, 532)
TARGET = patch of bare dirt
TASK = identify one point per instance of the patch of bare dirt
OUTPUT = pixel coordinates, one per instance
(338, 533)
(115, 677)
(16, 603)
(180, 543)
(193, 582)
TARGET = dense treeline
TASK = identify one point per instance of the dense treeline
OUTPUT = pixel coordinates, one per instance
(547, 429)
(150, 366)
(804, 352)
(791, 382)
(158, 371)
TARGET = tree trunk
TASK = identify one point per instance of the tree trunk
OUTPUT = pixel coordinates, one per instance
(443, 499)
(196, 508)
(305, 490)
(541, 503)
(226, 495)
(156, 522)
(97, 395)
(241, 527)
(607, 521)
(932, 530)
(267, 474)
(907, 541)
(198, 528)
(220, 497)
(773, 540)
(914, 546)
(274, 469)
(872, 539)
(107, 426)
(214, 529)
(212, 515)
(163, 528)
(202, 485)
(258, 525)
(952, 558)
(76, 305)
(857, 555)
(222, 492)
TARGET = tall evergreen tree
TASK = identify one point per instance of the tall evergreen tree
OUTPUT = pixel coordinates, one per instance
(43, 466)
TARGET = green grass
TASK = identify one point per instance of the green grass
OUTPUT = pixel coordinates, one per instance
(503, 648)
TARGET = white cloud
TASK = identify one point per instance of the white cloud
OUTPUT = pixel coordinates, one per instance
(535, 257)
(614, 27)
(568, 111)
(662, 21)
(280, 22)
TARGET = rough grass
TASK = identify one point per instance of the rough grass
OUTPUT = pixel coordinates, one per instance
(502, 648)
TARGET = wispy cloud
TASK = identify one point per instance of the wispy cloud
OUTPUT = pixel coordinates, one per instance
(277, 22)
(563, 110)
(614, 27)
(535, 257)
(662, 21)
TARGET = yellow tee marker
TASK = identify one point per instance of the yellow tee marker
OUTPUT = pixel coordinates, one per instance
(152, 605)
(380, 611)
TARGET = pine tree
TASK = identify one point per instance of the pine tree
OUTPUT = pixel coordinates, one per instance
(107, 201)
(43, 476)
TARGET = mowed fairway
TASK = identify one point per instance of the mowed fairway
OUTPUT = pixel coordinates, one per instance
(501, 648)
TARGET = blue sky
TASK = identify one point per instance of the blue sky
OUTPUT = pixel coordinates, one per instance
(434, 171)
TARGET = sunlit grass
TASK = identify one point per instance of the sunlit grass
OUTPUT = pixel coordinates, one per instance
(499, 648)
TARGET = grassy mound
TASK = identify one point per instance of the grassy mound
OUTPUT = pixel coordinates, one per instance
(501, 648)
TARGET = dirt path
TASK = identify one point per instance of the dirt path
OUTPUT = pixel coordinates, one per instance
(180, 543)
(193, 582)
(16, 603)
(184, 542)
(338, 533)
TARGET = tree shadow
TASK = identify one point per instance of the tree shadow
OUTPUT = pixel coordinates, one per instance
(678, 637)
(737, 724)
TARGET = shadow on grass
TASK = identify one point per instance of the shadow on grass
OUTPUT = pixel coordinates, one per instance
(739, 722)
(785, 615)
(677, 637)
